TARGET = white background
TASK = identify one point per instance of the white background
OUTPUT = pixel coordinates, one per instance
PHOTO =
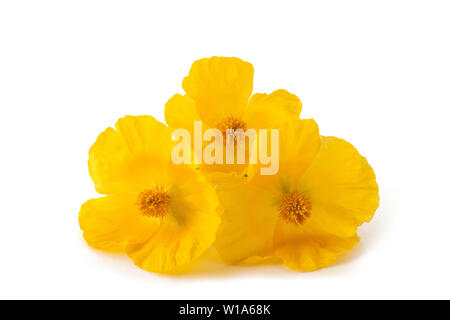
(376, 73)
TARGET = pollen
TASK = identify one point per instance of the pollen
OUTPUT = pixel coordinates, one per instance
(154, 202)
(295, 208)
(231, 123)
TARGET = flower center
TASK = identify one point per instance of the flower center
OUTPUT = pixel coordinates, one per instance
(154, 202)
(231, 123)
(295, 208)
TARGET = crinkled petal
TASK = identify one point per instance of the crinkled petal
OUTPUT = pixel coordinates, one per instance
(131, 157)
(307, 247)
(180, 112)
(298, 145)
(342, 188)
(113, 222)
(272, 110)
(220, 87)
(248, 219)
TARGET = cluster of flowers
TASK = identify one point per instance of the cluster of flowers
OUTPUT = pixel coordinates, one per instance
(165, 215)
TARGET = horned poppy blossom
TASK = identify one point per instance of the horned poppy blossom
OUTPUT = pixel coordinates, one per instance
(308, 213)
(218, 93)
(161, 214)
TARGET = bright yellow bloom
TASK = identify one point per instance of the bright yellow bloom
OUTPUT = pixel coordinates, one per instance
(162, 215)
(308, 213)
(218, 93)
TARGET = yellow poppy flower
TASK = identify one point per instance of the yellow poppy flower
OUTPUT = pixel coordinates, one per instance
(218, 93)
(161, 214)
(308, 213)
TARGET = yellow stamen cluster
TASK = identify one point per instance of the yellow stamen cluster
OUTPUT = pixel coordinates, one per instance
(154, 202)
(295, 208)
(231, 123)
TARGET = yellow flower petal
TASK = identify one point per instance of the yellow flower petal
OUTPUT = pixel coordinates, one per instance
(342, 188)
(271, 110)
(308, 248)
(246, 226)
(299, 143)
(113, 222)
(220, 87)
(145, 135)
(180, 112)
(187, 230)
(119, 160)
